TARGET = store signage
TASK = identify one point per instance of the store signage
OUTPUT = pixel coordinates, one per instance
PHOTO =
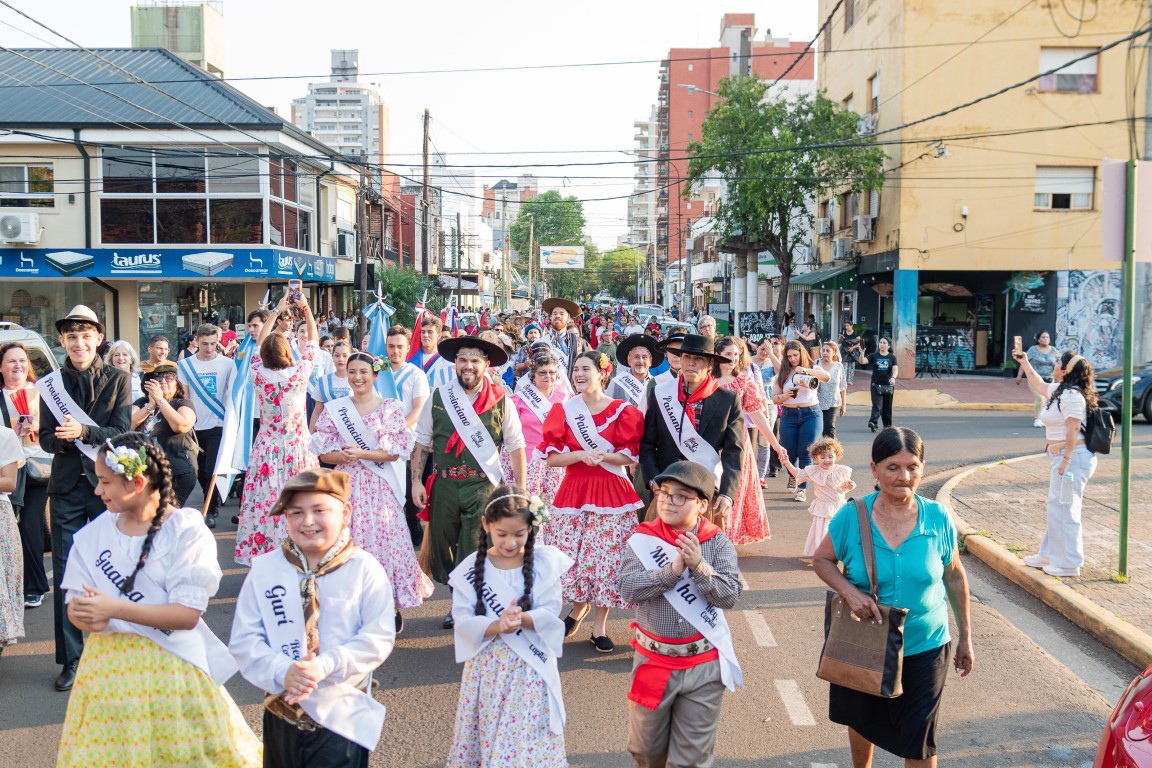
(249, 263)
(1036, 303)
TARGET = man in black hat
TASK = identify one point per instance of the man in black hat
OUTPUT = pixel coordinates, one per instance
(691, 417)
(83, 404)
(636, 355)
(566, 340)
(463, 425)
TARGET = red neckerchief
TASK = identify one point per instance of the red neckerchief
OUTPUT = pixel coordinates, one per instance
(488, 397)
(706, 389)
(661, 530)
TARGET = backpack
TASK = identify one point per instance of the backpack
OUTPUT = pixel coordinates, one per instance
(1099, 431)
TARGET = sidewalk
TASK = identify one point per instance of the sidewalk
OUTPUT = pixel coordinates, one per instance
(1000, 510)
(991, 393)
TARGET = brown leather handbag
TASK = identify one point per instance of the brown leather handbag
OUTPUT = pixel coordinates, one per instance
(866, 656)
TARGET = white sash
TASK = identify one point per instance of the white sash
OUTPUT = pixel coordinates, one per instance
(665, 376)
(100, 550)
(497, 597)
(338, 706)
(634, 389)
(561, 353)
(51, 388)
(579, 420)
(472, 431)
(687, 439)
(196, 384)
(534, 399)
(708, 620)
(350, 424)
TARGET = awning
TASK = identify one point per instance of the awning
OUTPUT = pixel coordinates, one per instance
(842, 278)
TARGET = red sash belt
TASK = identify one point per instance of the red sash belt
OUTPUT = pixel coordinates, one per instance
(651, 677)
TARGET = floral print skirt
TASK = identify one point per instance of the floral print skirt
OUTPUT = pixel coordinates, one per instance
(11, 577)
(597, 542)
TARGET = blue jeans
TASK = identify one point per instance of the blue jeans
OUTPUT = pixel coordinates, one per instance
(799, 428)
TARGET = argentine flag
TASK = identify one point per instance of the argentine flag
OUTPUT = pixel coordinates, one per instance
(378, 314)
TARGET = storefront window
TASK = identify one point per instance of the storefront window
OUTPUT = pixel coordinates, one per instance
(175, 309)
(37, 304)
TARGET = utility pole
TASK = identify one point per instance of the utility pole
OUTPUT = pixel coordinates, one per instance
(425, 202)
(459, 266)
(362, 247)
(507, 266)
(1144, 270)
(531, 258)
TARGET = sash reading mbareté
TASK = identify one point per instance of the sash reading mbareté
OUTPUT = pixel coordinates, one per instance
(707, 619)
(350, 424)
(688, 440)
(579, 420)
(51, 389)
(472, 431)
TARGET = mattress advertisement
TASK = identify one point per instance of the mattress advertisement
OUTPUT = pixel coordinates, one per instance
(562, 257)
(212, 262)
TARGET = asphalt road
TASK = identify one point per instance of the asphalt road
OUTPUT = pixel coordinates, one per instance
(1038, 697)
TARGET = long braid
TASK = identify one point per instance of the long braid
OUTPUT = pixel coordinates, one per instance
(526, 570)
(478, 569)
(504, 501)
(159, 476)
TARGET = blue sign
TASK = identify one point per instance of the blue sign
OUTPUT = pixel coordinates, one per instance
(211, 262)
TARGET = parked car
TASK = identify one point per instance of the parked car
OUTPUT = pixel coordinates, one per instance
(1109, 389)
(44, 357)
(1125, 742)
(666, 324)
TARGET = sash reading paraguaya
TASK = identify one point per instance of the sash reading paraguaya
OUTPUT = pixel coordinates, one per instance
(342, 708)
(497, 597)
(51, 389)
(97, 546)
(634, 389)
(687, 439)
(533, 398)
(472, 431)
(707, 619)
(196, 384)
(352, 428)
(579, 420)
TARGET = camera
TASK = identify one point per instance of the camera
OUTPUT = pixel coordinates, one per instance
(806, 382)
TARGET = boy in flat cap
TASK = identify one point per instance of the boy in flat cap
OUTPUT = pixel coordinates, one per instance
(319, 707)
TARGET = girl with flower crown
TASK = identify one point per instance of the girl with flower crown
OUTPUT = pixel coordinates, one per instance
(150, 686)
(506, 601)
(594, 438)
(365, 435)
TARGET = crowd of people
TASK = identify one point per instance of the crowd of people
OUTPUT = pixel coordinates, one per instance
(533, 464)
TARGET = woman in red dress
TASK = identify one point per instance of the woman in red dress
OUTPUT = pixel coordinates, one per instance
(594, 438)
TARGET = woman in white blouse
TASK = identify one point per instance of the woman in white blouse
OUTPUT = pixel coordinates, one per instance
(123, 355)
(1066, 406)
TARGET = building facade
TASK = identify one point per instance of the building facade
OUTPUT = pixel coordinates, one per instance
(642, 218)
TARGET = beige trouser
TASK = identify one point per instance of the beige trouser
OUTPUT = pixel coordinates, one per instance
(681, 732)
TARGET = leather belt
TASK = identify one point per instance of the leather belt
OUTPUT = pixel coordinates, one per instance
(674, 650)
(459, 473)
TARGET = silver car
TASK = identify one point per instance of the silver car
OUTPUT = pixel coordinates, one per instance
(41, 355)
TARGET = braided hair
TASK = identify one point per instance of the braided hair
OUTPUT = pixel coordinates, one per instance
(1079, 377)
(158, 473)
(505, 501)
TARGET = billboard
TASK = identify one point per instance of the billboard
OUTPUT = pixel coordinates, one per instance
(562, 257)
(252, 262)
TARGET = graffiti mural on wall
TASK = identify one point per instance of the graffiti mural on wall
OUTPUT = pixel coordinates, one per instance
(1088, 316)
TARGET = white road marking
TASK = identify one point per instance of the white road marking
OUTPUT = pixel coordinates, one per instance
(760, 629)
(794, 703)
(823, 765)
(743, 582)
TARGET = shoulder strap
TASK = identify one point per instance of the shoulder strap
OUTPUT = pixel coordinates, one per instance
(4, 408)
(869, 548)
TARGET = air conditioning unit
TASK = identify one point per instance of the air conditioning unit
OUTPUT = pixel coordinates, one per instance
(863, 229)
(824, 226)
(22, 228)
(866, 125)
(842, 248)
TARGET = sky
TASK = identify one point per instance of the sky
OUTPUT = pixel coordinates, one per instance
(529, 117)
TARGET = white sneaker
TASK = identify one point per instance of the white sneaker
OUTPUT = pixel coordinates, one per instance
(799, 495)
(1036, 561)
(1053, 570)
(1037, 423)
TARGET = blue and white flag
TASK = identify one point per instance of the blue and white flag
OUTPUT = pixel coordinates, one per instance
(236, 439)
(378, 314)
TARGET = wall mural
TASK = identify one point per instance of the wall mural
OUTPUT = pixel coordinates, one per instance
(1088, 307)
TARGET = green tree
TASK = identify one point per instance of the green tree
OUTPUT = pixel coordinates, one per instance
(776, 158)
(558, 220)
(618, 271)
(401, 288)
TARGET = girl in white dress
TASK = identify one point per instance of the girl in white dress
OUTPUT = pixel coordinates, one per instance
(831, 482)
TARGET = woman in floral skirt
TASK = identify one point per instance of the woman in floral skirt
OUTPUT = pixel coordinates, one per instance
(594, 438)
(11, 556)
(280, 450)
(536, 393)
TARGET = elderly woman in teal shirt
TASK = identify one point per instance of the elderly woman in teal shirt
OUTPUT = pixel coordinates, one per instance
(918, 567)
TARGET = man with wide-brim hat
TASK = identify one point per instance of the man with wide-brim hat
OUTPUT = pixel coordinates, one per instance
(567, 342)
(692, 418)
(464, 425)
(637, 355)
(670, 346)
(98, 401)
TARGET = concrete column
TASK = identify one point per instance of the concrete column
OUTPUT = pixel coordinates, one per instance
(738, 289)
(752, 303)
(905, 295)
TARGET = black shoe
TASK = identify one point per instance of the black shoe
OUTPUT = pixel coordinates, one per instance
(33, 600)
(66, 677)
(235, 519)
(448, 623)
(571, 625)
(603, 644)
(210, 521)
(399, 623)
(773, 472)
(872, 426)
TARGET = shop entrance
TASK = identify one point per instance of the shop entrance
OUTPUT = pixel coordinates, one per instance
(175, 309)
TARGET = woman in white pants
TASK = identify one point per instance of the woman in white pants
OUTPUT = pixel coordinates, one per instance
(1066, 406)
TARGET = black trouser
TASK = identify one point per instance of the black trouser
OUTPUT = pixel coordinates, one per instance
(183, 485)
(33, 533)
(830, 421)
(71, 511)
(415, 527)
(286, 746)
(774, 464)
(209, 440)
(881, 408)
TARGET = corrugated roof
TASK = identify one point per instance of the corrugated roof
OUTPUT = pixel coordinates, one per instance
(39, 89)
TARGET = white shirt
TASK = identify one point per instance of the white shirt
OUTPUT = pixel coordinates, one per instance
(513, 430)
(215, 376)
(804, 396)
(1072, 406)
(411, 384)
(442, 372)
(633, 329)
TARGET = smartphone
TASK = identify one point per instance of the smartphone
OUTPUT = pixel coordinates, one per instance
(23, 424)
(295, 291)
(1017, 345)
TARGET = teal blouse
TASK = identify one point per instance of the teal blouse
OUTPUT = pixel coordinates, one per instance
(910, 576)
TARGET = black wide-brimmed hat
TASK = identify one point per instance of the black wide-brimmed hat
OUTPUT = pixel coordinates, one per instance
(674, 336)
(639, 340)
(449, 348)
(571, 307)
(161, 368)
(701, 346)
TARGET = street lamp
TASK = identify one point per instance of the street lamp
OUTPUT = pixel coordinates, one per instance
(694, 89)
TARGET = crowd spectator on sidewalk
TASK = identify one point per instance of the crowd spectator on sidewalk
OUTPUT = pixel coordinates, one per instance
(833, 394)
(1043, 356)
(915, 542)
(851, 348)
(884, 373)
(1067, 404)
(123, 355)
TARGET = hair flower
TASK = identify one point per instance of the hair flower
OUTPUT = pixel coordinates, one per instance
(541, 513)
(378, 364)
(127, 462)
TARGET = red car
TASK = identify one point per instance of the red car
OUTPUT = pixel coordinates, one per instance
(1127, 738)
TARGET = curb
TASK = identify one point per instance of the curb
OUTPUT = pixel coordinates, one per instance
(1130, 642)
(862, 399)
